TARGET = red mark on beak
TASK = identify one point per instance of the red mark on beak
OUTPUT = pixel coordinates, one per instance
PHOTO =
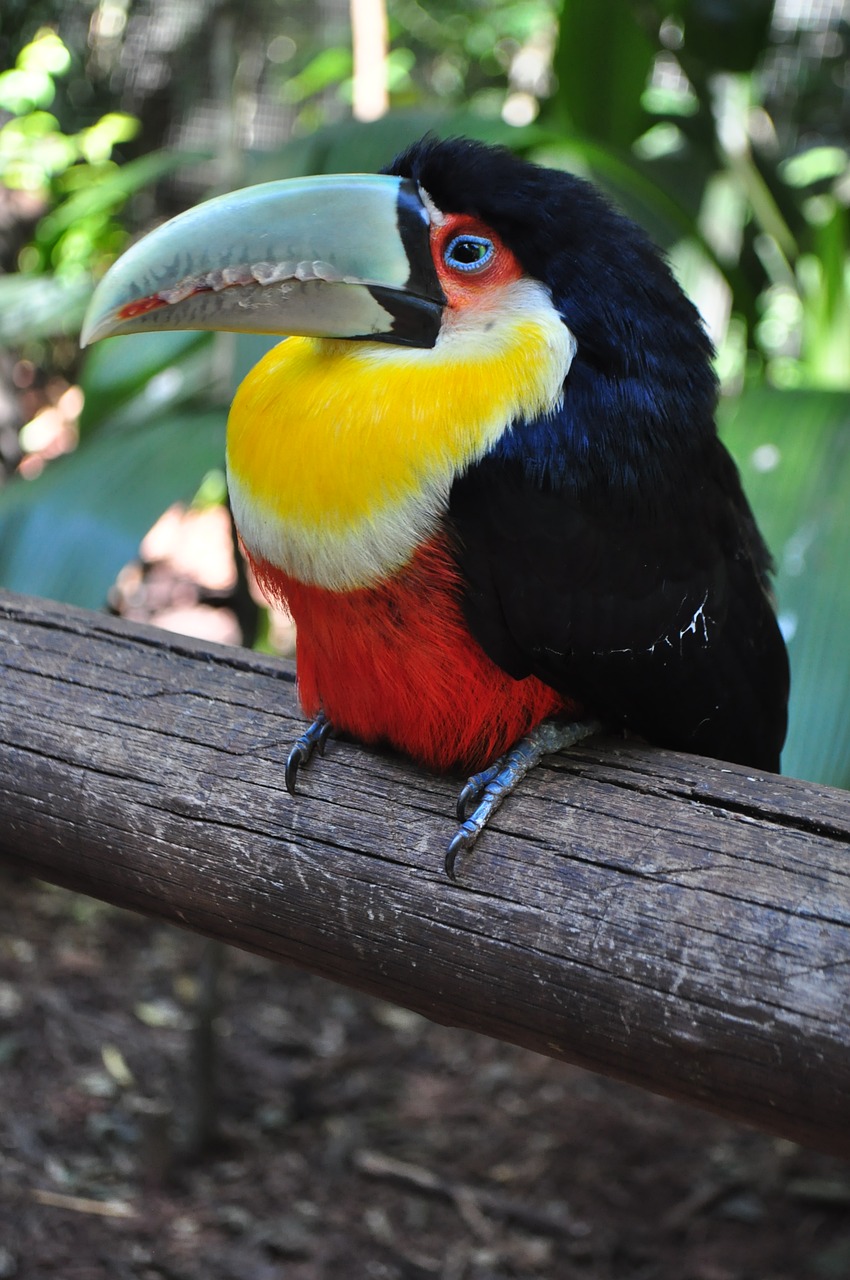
(141, 307)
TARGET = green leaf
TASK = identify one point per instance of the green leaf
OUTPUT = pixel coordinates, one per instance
(603, 61)
(355, 147)
(22, 91)
(327, 68)
(97, 142)
(131, 379)
(67, 534)
(793, 448)
(626, 182)
(47, 52)
(108, 187)
(35, 306)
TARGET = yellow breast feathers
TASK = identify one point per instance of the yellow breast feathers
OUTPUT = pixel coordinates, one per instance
(341, 455)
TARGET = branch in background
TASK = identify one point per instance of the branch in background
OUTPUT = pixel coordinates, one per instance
(370, 39)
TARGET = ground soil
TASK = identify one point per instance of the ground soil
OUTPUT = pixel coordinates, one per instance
(349, 1138)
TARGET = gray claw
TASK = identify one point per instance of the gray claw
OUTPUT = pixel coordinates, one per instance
(313, 739)
(475, 789)
(294, 760)
(465, 799)
(462, 841)
(487, 790)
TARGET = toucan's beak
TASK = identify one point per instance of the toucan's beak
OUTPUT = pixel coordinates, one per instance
(343, 257)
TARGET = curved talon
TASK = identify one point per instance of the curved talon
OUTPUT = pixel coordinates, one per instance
(311, 740)
(462, 841)
(469, 831)
(323, 735)
(294, 761)
(465, 799)
(474, 790)
(488, 789)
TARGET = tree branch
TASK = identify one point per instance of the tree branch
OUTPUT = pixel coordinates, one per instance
(678, 923)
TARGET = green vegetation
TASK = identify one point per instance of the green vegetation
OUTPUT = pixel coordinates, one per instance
(721, 127)
(83, 189)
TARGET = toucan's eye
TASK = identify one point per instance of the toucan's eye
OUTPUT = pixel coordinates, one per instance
(469, 253)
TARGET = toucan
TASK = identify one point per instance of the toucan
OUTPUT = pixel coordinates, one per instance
(482, 470)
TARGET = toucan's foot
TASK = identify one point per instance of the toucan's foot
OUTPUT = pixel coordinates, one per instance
(487, 790)
(313, 739)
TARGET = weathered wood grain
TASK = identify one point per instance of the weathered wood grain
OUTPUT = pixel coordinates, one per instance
(677, 923)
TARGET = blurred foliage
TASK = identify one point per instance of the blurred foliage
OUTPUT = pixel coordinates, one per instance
(148, 438)
(439, 55)
(737, 138)
(793, 448)
(720, 125)
(80, 186)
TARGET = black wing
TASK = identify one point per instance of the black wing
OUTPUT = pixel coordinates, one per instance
(649, 605)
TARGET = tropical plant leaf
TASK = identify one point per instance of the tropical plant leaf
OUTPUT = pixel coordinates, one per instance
(112, 189)
(129, 380)
(602, 63)
(36, 306)
(356, 147)
(793, 448)
(67, 533)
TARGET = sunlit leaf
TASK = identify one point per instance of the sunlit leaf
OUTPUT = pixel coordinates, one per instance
(96, 143)
(30, 83)
(47, 52)
(116, 1065)
(327, 68)
(108, 190)
(22, 91)
(33, 150)
(813, 165)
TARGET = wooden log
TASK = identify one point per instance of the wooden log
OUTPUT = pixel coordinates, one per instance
(672, 921)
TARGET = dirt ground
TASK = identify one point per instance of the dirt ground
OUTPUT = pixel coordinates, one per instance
(352, 1138)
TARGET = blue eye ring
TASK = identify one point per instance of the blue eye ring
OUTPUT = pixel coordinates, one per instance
(477, 252)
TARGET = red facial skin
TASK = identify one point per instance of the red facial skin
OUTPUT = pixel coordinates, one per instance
(464, 289)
